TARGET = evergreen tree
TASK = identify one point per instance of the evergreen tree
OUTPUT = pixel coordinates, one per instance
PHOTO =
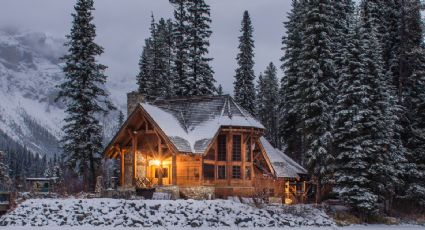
(343, 15)
(84, 94)
(4, 171)
(180, 31)
(144, 78)
(268, 103)
(412, 63)
(379, 104)
(290, 91)
(351, 135)
(155, 76)
(317, 77)
(220, 90)
(200, 80)
(244, 91)
(120, 118)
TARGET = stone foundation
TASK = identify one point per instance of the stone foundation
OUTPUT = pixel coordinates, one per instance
(173, 190)
(197, 192)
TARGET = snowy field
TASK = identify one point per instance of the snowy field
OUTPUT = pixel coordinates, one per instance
(159, 213)
(368, 227)
(105, 214)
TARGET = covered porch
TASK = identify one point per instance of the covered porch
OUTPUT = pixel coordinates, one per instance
(146, 158)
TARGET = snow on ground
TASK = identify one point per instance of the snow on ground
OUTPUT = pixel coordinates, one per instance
(360, 227)
(109, 213)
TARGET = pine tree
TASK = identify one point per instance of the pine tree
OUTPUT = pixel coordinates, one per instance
(379, 101)
(268, 102)
(290, 91)
(4, 171)
(220, 90)
(200, 79)
(84, 94)
(351, 136)
(120, 118)
(244, 90)
(144, 78)
(180, 31)
(412, 62)
(317, 77)
(343, 17)
(155, 76)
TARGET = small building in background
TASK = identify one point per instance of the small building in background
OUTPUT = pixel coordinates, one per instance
(41, 184)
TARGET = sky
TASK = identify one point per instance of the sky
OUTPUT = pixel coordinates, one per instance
(122, 26)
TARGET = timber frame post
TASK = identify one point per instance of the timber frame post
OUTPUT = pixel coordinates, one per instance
(160, 180)
(174, 169)
(122, 167)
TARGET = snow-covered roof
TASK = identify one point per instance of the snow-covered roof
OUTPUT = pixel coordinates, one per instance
(192, 123)
(283, 165)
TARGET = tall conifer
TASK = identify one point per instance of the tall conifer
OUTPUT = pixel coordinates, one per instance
(84, 94)
(200, 74)
(244, 90)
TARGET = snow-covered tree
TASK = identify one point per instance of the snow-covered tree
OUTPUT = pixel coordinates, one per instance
(200, 74)
(220, 90)
(120, 118)
(244, 89)
(55, 172)
(351, 135)
(379, 103)
(412, 64)
(268, 103)
(317, 81)
(180, 30)
(144, 78)
(290, 91)
(84, 93)
(155, 65)
(4, 171)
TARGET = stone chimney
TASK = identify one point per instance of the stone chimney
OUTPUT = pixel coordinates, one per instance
(133, 99)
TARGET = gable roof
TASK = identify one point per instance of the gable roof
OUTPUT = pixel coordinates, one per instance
(192, 123)
(283, 165)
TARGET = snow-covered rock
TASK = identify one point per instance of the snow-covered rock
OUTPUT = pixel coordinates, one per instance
(160, 213)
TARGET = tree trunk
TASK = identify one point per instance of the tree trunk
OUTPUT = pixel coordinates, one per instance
(92, 173)
(318, 192)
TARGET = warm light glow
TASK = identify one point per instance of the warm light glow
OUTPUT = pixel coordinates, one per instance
(155, 162)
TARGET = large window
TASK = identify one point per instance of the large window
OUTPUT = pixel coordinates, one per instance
(248, 172)
(221, 153)
(164, 172)
(236, 172)
(248, 150)
(236, 156)
(208, 171)
(221, 171)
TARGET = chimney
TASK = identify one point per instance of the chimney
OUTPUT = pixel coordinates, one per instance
(133, 99)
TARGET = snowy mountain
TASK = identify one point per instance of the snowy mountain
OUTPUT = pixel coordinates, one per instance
(29, 72)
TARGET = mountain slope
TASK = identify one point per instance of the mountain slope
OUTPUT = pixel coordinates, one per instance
(29, 72)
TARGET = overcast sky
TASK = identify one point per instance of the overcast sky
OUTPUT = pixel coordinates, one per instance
(122, 26)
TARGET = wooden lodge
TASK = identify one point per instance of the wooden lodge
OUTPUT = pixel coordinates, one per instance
(204, 147)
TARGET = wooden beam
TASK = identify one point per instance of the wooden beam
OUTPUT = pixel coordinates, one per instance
(229, 156)
(122, 168)
(160, 181)
(252, 154)
(174, 169)
(243, 148)
(134, 137)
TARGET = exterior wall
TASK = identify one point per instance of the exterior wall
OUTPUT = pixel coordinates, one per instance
(267, 186)
(188, 170)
